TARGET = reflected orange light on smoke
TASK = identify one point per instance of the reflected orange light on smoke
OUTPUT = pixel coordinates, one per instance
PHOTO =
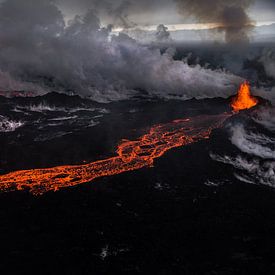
(131, 155)
(244, 100)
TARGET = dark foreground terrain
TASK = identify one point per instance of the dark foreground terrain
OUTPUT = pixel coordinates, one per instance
(187, 215)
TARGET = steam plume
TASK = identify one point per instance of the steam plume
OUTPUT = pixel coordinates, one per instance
(230, 15)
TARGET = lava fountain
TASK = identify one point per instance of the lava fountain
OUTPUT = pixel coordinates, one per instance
(244, 100)
(131, 155)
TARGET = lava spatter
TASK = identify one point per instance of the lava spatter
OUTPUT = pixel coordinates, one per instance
(131, 155)
(244, 100)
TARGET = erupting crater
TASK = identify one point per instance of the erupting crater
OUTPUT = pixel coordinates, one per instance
(244, 100)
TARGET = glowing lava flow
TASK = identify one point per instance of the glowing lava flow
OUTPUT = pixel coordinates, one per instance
(132, 155)
(244, 99)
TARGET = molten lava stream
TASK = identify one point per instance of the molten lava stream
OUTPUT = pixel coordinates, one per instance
(131, 155)
(244, 99)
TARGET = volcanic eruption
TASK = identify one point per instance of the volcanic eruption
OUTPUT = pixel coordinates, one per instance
(244, 100)
(131, 154)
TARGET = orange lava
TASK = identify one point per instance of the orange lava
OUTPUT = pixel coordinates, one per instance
(131, 155)
(244, 100)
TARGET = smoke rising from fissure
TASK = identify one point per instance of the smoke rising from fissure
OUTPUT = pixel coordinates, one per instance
(230, 15)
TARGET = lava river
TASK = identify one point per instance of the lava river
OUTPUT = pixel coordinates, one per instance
(131, 155)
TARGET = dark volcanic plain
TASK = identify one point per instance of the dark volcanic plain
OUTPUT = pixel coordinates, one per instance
(186, 215)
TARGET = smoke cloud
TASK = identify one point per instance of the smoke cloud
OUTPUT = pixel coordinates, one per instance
(38, 49)
(230, 15)
(266, 117)
(268, 60)
(162, 34)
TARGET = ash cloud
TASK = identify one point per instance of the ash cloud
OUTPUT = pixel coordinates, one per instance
(162, 34)
(231, 15)
(119, 13)
(38, 49)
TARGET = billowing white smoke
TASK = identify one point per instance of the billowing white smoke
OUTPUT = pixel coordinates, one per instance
(37, 47)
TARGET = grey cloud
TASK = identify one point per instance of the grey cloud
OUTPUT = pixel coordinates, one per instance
(162, 33)
(268, 60)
